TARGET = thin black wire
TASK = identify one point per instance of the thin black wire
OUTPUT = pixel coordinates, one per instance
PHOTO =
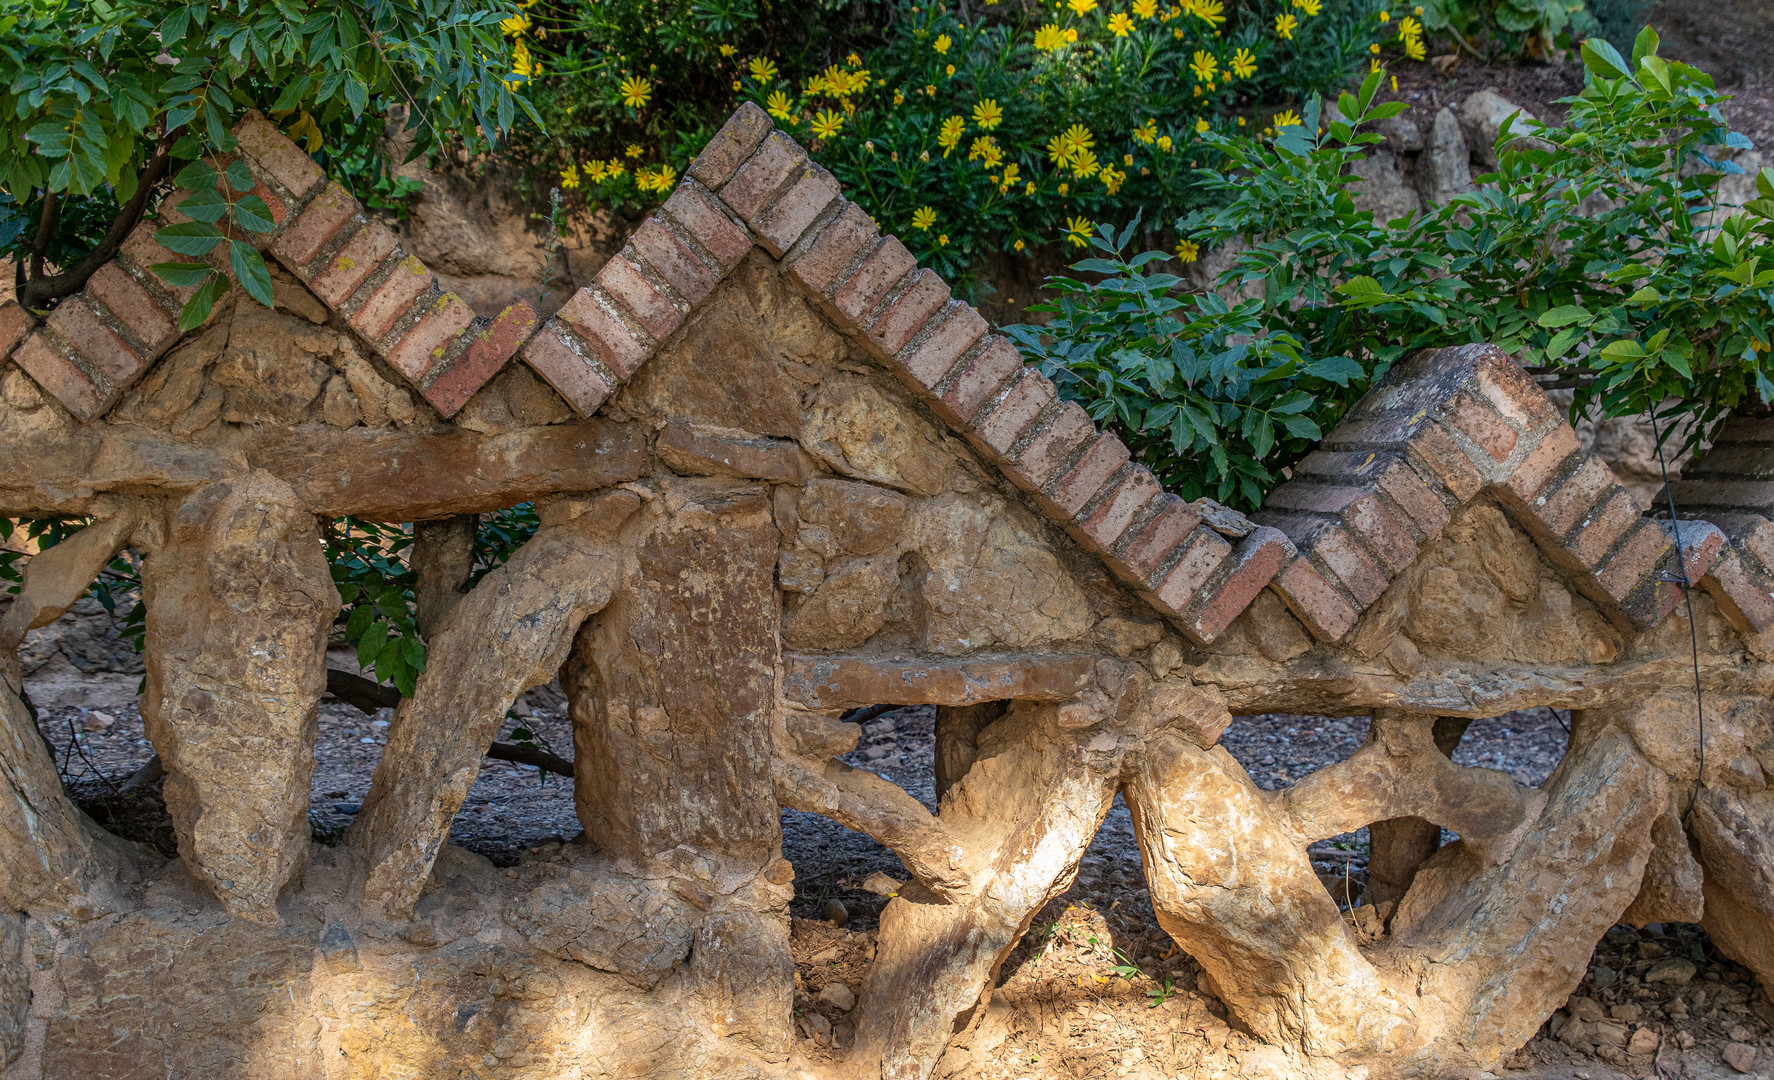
(1682, 582)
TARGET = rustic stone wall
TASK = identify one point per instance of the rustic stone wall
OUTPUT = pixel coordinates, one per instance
(781, 474)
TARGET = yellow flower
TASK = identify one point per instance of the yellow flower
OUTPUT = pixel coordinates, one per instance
(1084, 164)
(1385, 16)
(728, 50)
(1120, 24)
(570, 176)
(1414, 49)
(943, 240)
(1049, 38)
(1079, 138)
(523, 68)
(1018, 245)
(1374, 48)
(951, 71)
(923, 218)
(1310, 7)
(1244, 63)
(898, 96)
(1112, 179)
(1145, 9)
(985, 147)
(853, 60)
(615, 169)
(942, 43)
(1285, 25)
(987, 114)
(1241, 121)
(761, 69)
(656, 180)
(930, 90)
(1202, 125)
(1030, 188)
(634, 150)
(1418, 9)
(1187, 251)
(1127, 159)
(636, 91)
(1071, 35)
(595, 170)
(515, 25)
(1395, 84)
(1078, 231)
(1409, 27)
(780, 107)
(1374, 66)
(1204, 65)
(1287, 118)
(1081, 8)
(827, 124)
(1211, 12)
(950, 134)
(1164, 143)
(1012, 173)
(1146, 133)
(1062, 188)
(1177, 33)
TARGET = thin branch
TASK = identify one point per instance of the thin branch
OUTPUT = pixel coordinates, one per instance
(42, 290)
(45, 229)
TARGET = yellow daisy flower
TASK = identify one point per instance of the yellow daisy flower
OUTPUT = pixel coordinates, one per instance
(1211, 12)
(1049, 38)
(634, 150)
(949, 136)
(1287, 118)
(987, 114)
(923, 218)
(570, 177)
(636, 91)
(942, 43)
(1145, 9)
(1244, 63)
(1310, 7)
(1187, 251)
(1081, 8)
(827, 124)
(728, 50)
(1078, 231)
(1285, 25)
(761, 69)
(779, 106)
(1120, 24)
(1202, 125)
(1204, 65)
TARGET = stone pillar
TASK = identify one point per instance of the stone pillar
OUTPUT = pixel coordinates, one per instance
(442, 559)
(673, 691)
(239, 604)
(957, 739)
(1397, 846)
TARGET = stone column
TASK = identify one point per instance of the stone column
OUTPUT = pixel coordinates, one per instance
(1397, 846)
(957, 739)
(442, 559)
(239, 604)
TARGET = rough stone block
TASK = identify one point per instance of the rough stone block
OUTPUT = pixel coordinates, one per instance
(278, 157)
(695, 450)
(1254, 562)
(1102, 526)
(821, 266)
(1146, 551)
(906, 314)
(134, 307)
(998, 431)
(315, 228)
(702, 218)
(783, 224)
(410, 283)
(555, 355)
(676, 263)
(61, 378)
(346, 272)
(873, 280)
(104, 349)
(1068, 494)
(736, 140)
(599, 327)
(924, 365)
(764, 174)
(1314, 600)
(979, 382)
(643, 300)
(1475, 419)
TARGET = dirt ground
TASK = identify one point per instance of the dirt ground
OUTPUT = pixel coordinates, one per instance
(1096, 989)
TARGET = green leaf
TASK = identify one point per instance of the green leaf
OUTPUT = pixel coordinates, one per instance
(1566, 316)
(206, 206)
(1562, 341)
(1361, 286)
(1656, 72)
(1646, 295)
(1603, 60)
(251, 213)
(197, 309)
(412, 650)
(182, 275)
(249, 270)
(197, 176)
(1644, 45)
(189, 238)
(239, 177)
(1620, 352)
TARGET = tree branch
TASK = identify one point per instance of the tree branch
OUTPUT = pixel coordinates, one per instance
(41, 290)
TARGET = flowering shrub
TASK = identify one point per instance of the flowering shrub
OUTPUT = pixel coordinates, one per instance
(1594, 254)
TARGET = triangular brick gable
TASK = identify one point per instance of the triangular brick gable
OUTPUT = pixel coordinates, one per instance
(1439, 430)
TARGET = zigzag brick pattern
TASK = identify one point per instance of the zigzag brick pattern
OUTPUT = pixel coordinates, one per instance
(1439, 430)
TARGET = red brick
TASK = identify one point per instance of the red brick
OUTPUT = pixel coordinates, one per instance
(1052, 447)
(409, 283)
(907, 314)
(134, 307)
(821, 266)
(1148, 549)
(351, 267)
(999, 430)
(111, 356)
(1514, 394)
(485, 355)
(1443, 459)
(604, 333)
(701, 217)
(1602, 527)
(1358, 572)
(1702, 542)
(565, 369)
(738, 137)
(980, 382)
(1206, 551)
(1557, 511)
(1317, 603)
(1637, 558)
(1253, 564)
(649, 307)
(15, 323)
(873, 280)
(1383, 533)
(1745, 598)
(1757, 538)
(781, 226)
(762, 176)
(1422, 507)
(1072, 492)
(59, 376)
(140, 248)
(421, 348)
(668, 256)
(277, 156)
(1105, 523)
(1545, 462)
(925, 365)
(315, 228)
(1315, 498)
(1480, 423)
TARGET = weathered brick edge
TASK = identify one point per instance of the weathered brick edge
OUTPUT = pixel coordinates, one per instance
(1732, 484)
(1441, 427)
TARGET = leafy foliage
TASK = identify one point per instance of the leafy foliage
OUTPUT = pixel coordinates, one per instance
(1594, 253)
(1538, 27)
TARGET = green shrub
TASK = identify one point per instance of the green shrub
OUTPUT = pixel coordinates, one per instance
(1593, 254)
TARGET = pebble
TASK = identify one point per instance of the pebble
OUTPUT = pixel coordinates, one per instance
(1673, 970)
(881, 884)
(839, 996)
(1643, 1041)
(98, 721)
(1740, 1056)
